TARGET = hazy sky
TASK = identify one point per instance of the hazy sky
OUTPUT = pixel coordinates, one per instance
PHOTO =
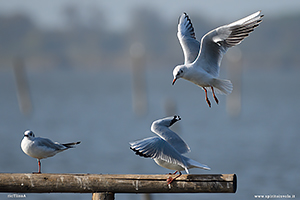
(49, 14)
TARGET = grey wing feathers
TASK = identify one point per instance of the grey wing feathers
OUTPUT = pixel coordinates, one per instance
(241, 29)
(175, 140)
(49, 144)
(145, 148)
(186, 36)
(212, 53)
(216, 42)
(161, 128)
(156, 147)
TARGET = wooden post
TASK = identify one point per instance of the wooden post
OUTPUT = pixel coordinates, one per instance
(235, 70)
(139, 89)
(116, 183)
(96, 196)
(22, 86)
(103, 196)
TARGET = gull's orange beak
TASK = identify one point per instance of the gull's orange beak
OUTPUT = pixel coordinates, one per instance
(174, 80)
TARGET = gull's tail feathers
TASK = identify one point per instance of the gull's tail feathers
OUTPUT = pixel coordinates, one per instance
(194, 164)
(71, 144)
(221, 86)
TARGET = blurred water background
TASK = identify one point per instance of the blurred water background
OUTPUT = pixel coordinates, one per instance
(82, 87)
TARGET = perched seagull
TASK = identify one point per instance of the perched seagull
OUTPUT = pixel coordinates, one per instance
(40, 148)
(202, 59)
(167, 148)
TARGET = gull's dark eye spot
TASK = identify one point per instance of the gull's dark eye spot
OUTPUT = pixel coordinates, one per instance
(30, 133)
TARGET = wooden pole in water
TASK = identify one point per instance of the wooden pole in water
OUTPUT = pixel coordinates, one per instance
(235, 68)
(22, 86)
(139, 88)
(116, 183)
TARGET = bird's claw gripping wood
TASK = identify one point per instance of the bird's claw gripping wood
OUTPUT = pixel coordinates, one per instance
(170, 179)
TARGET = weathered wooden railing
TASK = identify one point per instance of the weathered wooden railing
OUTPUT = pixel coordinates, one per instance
(103, 186)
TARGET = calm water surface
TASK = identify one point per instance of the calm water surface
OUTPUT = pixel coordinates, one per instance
(261, 145)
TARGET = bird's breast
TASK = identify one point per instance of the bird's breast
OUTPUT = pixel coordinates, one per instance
(36, 151)
(199, 77)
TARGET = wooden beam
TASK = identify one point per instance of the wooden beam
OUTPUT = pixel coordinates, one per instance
(116, 183)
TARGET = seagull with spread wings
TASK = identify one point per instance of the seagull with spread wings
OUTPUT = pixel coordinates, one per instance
(166, 148)
(202, 59)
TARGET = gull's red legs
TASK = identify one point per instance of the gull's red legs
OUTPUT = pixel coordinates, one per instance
(39, 164)
(170, 179)
(215, 97)
(206, 98)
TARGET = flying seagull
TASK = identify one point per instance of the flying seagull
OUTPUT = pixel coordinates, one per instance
(202, 59)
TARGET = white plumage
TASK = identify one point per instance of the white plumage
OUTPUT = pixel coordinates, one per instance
(40, 148)
(202, 59)
(167, 148)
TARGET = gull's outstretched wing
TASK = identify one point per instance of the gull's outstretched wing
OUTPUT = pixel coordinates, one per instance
(187, 39)
(216, 42)
(156, 147)
(161, 128)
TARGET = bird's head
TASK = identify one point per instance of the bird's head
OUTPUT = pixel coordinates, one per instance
(29, 134)
(178, 72)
